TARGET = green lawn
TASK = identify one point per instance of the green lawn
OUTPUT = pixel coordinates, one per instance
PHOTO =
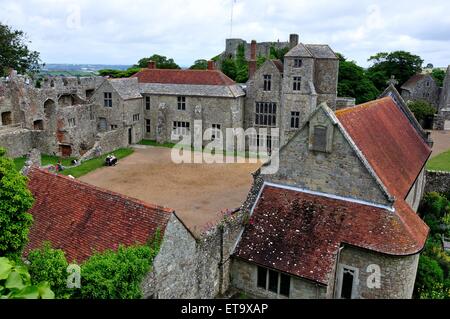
(154, 143)
(78, 171)
(440, 162)
(45, 160)
(95, 163)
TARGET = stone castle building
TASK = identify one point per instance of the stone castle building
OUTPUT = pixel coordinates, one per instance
(442, 119)
(339, 218)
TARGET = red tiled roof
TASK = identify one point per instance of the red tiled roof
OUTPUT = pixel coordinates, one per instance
(279, 65)
(82, 219)
(388, 141)
(195, 77)
(300, 233)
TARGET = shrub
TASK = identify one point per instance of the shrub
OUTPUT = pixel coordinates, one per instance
(422, 110)
(47, 264)
(429, 273)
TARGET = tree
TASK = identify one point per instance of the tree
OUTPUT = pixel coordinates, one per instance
(429, 274)
(50, 265)
(229, 68)
(422, 110)
(199, 65)
(241, 65)
(14, 52)
(161, 61)
(401, 64)
(15, 283)
(15, 201)
(278, 54)
(353, 82)
(119, 73)
(439, 76)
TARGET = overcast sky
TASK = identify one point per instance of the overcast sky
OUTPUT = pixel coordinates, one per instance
(122, 32)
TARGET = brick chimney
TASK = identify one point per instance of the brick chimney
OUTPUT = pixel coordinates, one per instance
(252, 62)
(293, 40)
(151, 64)
(211, 65)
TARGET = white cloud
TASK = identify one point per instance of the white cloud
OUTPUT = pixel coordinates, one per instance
(121, 32)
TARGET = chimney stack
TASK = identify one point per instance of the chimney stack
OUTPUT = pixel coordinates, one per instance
(252, 62)
(211, 65)
(151, 64)
(293, 40)
(253, 50)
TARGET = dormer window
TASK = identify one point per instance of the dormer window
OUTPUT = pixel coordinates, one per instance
(298, 63)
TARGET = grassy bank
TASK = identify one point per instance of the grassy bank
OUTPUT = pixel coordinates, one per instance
(440, 162)
(95, 163)
(45, 160)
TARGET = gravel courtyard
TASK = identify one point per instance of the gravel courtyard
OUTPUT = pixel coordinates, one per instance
(197, 192)
(441, 142)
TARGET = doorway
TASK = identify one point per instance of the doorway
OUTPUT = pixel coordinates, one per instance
(66, 150)
(130, 135)
(6, 118)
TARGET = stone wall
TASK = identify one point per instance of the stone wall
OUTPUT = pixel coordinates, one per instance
(398, 274)
(425, 89)
(191, 267)
(437, 182)
(16, 142)
(107, 142)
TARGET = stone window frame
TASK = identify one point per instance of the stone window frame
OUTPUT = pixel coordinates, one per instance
(148, 127)
(107, 99)
(296, 83)
(136, 117)
(340, 277)
(266, 114)
(147, 103)
(114, 127)
(216, 130)
(329, 136)
(280, 275)
(72, 122)
(267, 85)
(181, 128)
(181, 103)
(102, 124)
(298, 63)
(295, 119)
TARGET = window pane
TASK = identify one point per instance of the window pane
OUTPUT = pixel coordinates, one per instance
(273, 281)
(347, 284)
(285, 285)
(262, 277)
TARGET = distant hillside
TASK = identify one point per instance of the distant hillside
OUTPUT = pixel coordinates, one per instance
(77, 69)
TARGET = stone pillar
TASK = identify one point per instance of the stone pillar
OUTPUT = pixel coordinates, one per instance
(161, 125)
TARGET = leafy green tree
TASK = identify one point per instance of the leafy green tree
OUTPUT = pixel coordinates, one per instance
(15, 283)
(116, 275)
(229, 68)
(278, 53)
(401, 64)
(14, 52)
(241, 65)
(439, 76)
(422, 110)
(429, 273)
(161, 61)
(50, 265)
(199, 65)
(15, 201)
(353, 82)
(119, 73)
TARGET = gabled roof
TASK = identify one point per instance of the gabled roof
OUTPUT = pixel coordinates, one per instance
(388, 141)
(127, 88)
(279, 65)
(300, 232)
(321, 51)
(192, 77)
(299, 50)
(82, 219)
(412, 82)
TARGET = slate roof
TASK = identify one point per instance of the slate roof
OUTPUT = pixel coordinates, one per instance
(82, 219)
(188, 82)
(321, 51)
(300, 233)
(388, 141)
(318, 51)
(412, 82)
(127, 88)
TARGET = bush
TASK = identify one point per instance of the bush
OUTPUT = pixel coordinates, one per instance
(429, 273)
(422, 110)
(47, 264)
(116, 275)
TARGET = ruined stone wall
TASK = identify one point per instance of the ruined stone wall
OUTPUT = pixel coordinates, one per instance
(398, 274)
(189, 267)
(262, 48)
(16, 142)
(437, 182)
